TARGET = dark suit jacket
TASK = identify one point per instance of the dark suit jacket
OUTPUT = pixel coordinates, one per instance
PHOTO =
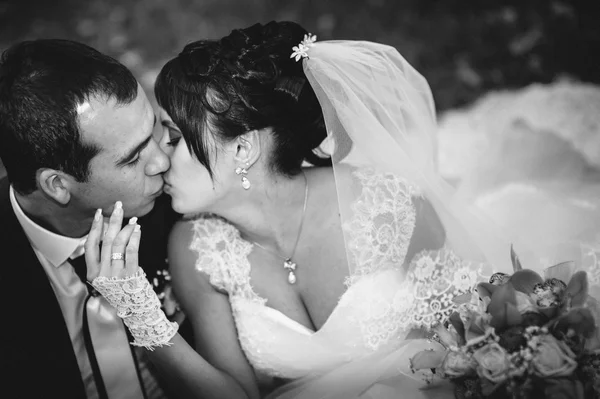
(36, 356)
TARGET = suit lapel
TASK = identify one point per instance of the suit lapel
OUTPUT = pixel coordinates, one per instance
(36, 352)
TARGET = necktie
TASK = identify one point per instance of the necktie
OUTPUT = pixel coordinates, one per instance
(113, 362)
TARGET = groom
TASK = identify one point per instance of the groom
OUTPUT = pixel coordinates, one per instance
(75, 135)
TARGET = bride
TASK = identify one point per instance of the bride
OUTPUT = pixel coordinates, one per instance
(319, 243)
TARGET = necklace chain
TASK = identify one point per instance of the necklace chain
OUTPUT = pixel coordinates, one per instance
(288, 264)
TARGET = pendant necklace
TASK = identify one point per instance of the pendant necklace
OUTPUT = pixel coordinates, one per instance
(288, 263)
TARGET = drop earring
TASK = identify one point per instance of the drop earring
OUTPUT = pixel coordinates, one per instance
(243, 172)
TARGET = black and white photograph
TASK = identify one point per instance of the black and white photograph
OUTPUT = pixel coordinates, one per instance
(269, 199)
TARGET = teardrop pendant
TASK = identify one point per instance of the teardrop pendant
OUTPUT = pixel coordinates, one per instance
(292, 278)
(291, 266)
(245, 183)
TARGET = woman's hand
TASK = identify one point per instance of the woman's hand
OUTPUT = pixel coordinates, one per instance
(118, 255)
(114, 272)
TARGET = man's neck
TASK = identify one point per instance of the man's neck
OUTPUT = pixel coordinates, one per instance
(53, 217)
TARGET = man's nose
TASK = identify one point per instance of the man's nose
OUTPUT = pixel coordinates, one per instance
(159, 163)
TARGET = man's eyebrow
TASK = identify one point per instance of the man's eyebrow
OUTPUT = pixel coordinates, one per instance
(131, 154)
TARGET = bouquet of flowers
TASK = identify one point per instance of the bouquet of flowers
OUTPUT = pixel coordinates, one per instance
(521, 336)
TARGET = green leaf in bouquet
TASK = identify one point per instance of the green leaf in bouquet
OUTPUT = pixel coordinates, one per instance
(525, 280)
(576, 293)
(515, 260)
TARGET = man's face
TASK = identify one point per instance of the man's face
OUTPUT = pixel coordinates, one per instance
(130, 164)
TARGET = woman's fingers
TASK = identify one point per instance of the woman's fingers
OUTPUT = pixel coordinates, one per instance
(114, 226)
(121, 241)
(92, 246)
(131, 255)
(119, 254)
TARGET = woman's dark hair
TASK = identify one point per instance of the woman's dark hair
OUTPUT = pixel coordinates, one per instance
(243, 82)
(41, 84)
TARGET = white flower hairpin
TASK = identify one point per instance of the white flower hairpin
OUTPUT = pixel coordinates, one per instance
(301, 49)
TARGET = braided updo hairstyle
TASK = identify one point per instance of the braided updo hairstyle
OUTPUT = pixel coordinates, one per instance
(243, 82)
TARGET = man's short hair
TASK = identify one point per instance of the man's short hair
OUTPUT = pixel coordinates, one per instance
(41, 84)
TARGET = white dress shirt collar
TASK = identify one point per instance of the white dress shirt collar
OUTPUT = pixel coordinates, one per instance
(54, 247)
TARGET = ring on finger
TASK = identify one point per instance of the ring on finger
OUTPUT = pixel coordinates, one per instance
(117, 256)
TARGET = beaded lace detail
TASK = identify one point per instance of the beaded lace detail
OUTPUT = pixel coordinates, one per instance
(223, 256)
(139, 307)
(396, 303)
(382, 223)
(434, 279)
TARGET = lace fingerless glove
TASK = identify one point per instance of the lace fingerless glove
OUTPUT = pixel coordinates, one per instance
(139, 307)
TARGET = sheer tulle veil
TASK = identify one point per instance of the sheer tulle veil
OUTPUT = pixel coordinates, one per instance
(380, 113)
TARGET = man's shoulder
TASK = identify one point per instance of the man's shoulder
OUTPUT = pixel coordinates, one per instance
(4, 186)
(6, 211)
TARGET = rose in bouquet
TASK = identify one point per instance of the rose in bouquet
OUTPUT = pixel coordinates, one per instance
(522, 336)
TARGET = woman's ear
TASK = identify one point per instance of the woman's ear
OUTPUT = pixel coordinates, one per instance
(248, 148)
(55, 184)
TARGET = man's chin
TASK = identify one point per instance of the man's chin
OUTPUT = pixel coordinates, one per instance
(143, 210)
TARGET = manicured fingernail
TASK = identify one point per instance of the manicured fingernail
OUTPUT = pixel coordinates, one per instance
(118, 205)
(137, 228)
(98, 215)
(133, 220)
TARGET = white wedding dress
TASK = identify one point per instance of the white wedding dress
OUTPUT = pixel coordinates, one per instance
(382, 304)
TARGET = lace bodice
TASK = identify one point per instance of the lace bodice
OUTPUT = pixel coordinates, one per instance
(382, 302)
(382, 222)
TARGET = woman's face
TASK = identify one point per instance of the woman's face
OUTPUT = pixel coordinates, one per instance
(188, 182)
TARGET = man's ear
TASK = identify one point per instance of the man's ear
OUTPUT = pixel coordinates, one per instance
(248, 148)
(55, 184)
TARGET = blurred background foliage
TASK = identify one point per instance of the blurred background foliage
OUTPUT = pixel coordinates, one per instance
(463, 47)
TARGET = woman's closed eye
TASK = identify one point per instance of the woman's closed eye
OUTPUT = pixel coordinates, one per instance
(173, 141)
(174, 137)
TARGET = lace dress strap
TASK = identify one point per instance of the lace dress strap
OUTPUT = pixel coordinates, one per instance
(223, 256)
(382, 222)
